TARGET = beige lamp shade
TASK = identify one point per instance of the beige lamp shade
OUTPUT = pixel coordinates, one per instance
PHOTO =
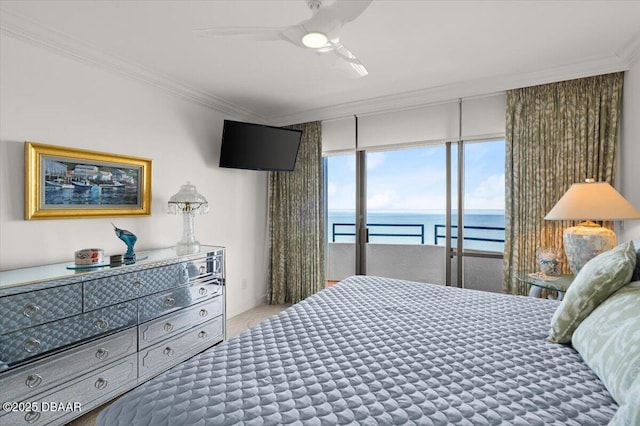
(590, 201)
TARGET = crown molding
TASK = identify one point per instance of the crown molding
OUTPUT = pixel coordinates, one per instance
(466, 89)
(27, 30)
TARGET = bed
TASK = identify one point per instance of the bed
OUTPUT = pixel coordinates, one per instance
(372, 351)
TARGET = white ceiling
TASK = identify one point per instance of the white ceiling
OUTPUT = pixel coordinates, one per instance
(415, 51)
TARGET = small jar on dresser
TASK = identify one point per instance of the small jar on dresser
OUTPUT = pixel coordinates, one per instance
(72, 339)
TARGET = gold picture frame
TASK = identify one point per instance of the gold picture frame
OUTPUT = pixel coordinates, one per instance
(63, 182)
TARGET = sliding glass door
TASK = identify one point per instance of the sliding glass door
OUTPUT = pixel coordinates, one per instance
(405, 207)
(340, 220)
(478, 235)
(393, 213)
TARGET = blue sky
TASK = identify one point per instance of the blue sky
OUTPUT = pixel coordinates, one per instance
(413, 179)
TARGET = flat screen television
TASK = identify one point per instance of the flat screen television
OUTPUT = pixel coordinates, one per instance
(258, 147)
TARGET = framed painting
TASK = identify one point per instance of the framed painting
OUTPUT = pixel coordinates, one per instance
(64, 182)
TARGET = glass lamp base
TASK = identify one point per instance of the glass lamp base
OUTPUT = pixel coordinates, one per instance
(188, 247)
(188, 244)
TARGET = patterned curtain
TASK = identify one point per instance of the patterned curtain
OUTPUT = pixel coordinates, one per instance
(296, 223)
(556, 135)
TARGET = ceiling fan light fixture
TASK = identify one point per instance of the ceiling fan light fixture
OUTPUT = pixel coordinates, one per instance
(315, 40)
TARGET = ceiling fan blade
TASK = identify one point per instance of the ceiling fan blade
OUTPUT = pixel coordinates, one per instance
(243, 33)
(293, 34)
(327, 20)
(348, 10)
(348, 57)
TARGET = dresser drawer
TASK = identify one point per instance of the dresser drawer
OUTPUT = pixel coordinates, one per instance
(201, 270)
(176, 349)
(121, 288)
(156, 305)
(24, 344)
(37, 307)
(51, 371)
(102, 384)
(166, 326)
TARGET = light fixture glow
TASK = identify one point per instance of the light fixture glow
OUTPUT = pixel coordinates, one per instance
(315, 40)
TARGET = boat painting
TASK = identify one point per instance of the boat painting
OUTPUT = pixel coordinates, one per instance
(68, 183)
(63, 182)
(58, 184)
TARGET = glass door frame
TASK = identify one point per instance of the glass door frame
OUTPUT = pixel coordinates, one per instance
(362, 232)
(459, 253)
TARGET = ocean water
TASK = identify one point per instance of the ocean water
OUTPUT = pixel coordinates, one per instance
(423, 229)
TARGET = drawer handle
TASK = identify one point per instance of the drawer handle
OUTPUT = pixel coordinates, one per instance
(101, 383)
(203, 269)
(202, 291)
(202, 334)
(203, 312)
(168, 351)
(32, 416)
(31, 345)
(102, 353)
(31, 310)
(168, 327)
(101, 324)
(169, 302)
(33, 380)
(136, 285)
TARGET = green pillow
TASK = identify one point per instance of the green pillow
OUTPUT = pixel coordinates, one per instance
(597, 280)
(609, 341)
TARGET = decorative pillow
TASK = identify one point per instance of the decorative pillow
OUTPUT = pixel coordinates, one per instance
(597, 280)
(628, 414)
(609, 341)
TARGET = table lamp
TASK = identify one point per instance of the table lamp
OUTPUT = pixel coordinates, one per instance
(188, 202)
(590, 201)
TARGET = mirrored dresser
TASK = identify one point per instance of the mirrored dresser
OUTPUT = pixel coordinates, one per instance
(73, 338)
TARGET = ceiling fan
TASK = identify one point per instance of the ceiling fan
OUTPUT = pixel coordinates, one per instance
(320, 33)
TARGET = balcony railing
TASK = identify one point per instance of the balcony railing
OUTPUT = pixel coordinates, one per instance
(420, 226)
(437, 235)
(420, 232)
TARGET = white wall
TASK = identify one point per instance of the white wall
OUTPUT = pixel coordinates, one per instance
(49, 98)
(630, 149)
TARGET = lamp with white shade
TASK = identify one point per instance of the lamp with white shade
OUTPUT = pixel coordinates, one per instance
(188, 202)
(590, 201)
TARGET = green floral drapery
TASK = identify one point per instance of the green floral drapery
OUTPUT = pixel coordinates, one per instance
(556, 135)
(296, 223)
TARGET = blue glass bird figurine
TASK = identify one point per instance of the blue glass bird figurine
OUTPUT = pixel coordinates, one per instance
(129, 239)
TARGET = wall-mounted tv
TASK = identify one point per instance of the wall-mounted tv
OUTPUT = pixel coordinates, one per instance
(258, 147)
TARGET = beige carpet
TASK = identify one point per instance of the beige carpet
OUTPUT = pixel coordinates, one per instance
(235, 326)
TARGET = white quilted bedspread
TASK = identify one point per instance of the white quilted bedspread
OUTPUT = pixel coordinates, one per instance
(379, 351)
